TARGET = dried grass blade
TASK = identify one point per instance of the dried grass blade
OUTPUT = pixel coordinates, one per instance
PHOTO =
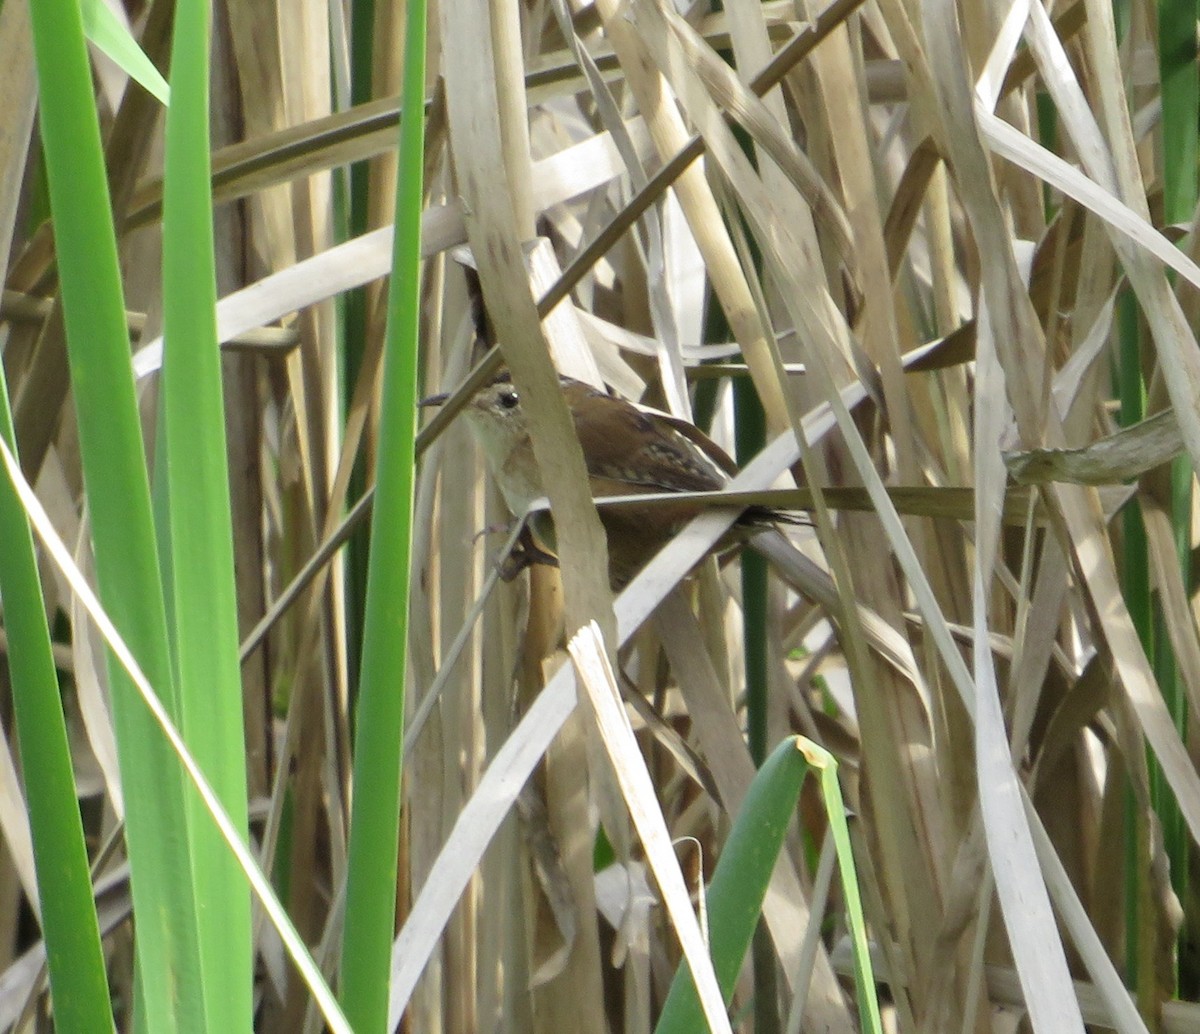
(1173, 596)
(591, 664)
(1011, 143)
(477, 137)
(1118, 169)
(356, 262)
(647, 84)
(14, 824)
(1126, 454)
(1122, 1013)
(755, 118)
(515, 760)
(91, 681)
(1089, 542)
(477, 823)
(1024, 904)
(18, 101)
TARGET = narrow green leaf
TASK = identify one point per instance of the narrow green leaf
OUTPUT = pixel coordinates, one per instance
(1180, 80)
(118, 500)
(200, 537)
(78, 981)
(102, 26)
(835, 809)
(1139, 600)
(379, 728)
(739, 884)
(162, 720)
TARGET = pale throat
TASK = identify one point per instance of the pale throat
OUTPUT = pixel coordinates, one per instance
(509, 456)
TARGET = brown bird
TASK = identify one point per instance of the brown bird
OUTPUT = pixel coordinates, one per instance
(627, 450)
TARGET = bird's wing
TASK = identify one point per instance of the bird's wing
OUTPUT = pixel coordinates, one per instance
(660, 459)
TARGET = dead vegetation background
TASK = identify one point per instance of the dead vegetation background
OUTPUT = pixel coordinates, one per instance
(921, 245)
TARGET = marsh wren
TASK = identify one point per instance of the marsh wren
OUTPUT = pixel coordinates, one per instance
(627, 451)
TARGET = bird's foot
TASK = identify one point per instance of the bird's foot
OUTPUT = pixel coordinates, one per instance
(524, 554)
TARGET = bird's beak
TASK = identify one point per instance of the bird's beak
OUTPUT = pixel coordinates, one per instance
(434, 400)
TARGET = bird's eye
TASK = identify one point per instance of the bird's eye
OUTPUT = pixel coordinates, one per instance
(509, 399)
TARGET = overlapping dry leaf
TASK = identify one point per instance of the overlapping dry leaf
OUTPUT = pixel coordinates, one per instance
(890, 205)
